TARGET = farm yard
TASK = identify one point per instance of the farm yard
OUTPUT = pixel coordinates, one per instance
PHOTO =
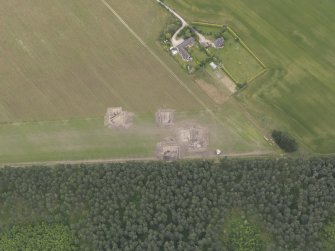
(62, 67)
(237, 60)
(296, 43)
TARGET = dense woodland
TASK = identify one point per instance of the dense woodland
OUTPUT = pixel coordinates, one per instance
(255, 204)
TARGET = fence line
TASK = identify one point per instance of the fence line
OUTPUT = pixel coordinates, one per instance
(233, 33)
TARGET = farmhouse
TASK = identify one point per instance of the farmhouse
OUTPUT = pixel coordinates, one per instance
(189, 42)
(218, 43)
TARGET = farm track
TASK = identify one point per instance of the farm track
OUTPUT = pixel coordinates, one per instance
(174, 40)
(122, 160)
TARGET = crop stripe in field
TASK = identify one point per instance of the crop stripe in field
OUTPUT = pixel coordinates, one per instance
(161, 62)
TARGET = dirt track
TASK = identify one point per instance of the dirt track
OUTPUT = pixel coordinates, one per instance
(174, 40)
(121, 160)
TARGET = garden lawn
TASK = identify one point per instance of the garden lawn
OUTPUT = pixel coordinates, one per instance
(242, 65)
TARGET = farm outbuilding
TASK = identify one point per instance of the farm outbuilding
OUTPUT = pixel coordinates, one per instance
(189, 42)
(213, 65)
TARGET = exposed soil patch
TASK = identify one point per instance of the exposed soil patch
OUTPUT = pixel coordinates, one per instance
(193, 138)
(225, 80)
(214, 93)
(168, 150)
(165, 117)
(117, 118)
(228, 83)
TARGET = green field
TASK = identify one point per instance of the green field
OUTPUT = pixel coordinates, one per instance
(61, 67)
(85, 139)
(296, 41)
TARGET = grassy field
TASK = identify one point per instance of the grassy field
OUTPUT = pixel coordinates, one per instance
(62, 66)
(296, 40)
(86, 139)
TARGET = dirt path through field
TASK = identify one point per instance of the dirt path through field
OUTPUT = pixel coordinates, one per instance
(122, 160)
(216, 95)
(228, 83)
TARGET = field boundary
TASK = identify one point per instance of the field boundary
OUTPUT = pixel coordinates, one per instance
(244, 45)
(258, 154)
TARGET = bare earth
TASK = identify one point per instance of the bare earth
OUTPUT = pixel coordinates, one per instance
(213, 92)
(227, 82)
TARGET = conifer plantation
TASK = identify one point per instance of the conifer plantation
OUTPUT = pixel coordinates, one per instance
(250, 204)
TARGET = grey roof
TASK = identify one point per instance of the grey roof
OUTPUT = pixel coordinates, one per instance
(187, 42)
(182, 48)
(219, 42)
(184, 54)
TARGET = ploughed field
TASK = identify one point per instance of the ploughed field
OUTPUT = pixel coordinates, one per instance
(296, 41)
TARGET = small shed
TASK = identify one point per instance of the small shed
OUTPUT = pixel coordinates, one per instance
(213, 65)
(174, 51)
